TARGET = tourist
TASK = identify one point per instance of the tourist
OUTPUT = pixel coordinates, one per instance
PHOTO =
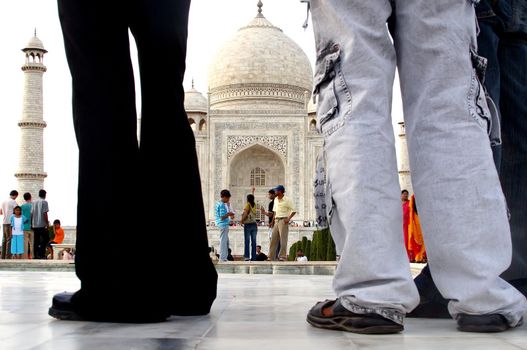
(17, 233)
(406, 221)
(461, 205)
(118, 175)
(7, 210)
(40, 224)
(250, 230)
(260, 256)
(283, 211)
(224, 215)
(29, 238)
(300, 255)
(269, 213)
(67, 255)
(502, 41)
(416, 243)
(59, 235)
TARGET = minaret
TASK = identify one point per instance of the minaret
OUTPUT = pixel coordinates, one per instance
(404, 165)
(31, 173)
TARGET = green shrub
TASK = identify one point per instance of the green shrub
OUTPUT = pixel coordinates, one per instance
(292, 251)
(332, 250)
(314, 247)
(322, 246)
(304, 244)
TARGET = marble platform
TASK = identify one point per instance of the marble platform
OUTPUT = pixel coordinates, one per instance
(262, 311)
(238, 267)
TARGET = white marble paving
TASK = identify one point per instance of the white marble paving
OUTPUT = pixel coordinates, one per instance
(251, 311)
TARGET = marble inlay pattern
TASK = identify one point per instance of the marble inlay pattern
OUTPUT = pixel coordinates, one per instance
(277, 143)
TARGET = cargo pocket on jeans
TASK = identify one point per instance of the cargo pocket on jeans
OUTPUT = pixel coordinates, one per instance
(481, 106)
(331, 93)
(322, 193)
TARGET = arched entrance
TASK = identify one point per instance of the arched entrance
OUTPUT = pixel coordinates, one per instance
(255, 166)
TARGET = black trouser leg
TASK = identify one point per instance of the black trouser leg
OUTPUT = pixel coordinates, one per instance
(116, 179)
(160, 30)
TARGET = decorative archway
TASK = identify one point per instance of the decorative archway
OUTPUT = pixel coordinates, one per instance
(254, 160)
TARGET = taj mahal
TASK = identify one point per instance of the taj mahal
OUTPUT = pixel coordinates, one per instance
(255, 127)
(258, 126)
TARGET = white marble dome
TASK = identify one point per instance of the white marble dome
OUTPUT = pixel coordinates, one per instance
(260, 65)
(195, 101)
(35, 44)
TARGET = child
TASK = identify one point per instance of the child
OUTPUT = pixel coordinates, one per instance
(66, 254)
(59, 233)
(224, 215)
(17, 232)
(58, 238)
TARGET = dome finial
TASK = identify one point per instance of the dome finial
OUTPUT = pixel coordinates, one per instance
(35, 31)
(260, 4)
(193, 83)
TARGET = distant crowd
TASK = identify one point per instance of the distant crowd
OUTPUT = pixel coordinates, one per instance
(26, 230)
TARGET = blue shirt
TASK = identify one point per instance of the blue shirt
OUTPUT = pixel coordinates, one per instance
(221, 210)
(26, 212)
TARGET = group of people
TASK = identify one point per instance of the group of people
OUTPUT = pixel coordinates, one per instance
(25, 227)
(448, 119)
(281, 211)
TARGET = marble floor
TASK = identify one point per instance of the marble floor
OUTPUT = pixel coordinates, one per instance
(251, 311)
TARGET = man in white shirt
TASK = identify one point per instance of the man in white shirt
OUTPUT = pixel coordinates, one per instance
(7, 210)
(284, 210)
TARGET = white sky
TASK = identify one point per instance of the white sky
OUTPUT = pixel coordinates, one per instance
(211, 24)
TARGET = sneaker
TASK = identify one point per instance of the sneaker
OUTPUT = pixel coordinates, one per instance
(341, 319)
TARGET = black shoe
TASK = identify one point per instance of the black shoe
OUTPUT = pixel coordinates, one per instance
(62, 308)
(432, 304)
(65, 306)
(520, 284)
(482, 323)
(429, 309)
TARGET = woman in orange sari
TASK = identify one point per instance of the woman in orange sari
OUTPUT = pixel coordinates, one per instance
(406, 222)
(416, 244)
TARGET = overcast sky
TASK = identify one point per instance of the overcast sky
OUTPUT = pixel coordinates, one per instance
(211, 24)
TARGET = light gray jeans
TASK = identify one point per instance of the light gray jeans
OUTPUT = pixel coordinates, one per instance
(459, 198)
(224, 243)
